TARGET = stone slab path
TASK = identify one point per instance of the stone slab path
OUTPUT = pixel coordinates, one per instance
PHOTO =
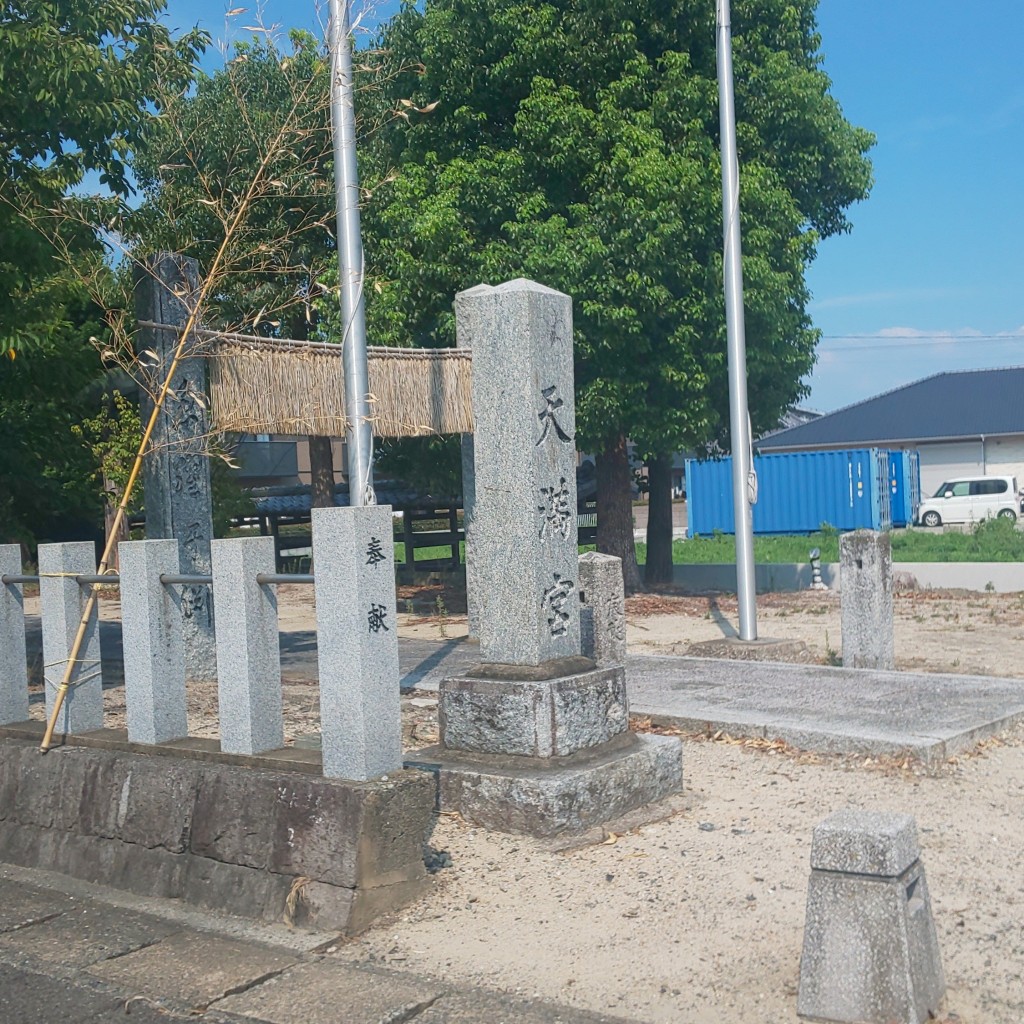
(813, 707)
(85, 954)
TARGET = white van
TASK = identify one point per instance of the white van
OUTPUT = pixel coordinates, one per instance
(969, 500)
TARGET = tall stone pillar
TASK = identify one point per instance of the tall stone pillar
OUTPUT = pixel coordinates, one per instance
(468, 527)
(176, 472)
(357, 642)
(524, 455)
(534, 697)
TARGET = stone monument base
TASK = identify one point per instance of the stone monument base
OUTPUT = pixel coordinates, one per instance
(551, 710)
(555, 795)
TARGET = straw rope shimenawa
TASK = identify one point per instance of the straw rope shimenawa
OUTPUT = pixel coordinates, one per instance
(281, 386)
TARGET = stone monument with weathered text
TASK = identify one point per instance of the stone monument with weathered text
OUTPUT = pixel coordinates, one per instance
(865, 582)
(534, 698)
(176, 471)
(357, 642)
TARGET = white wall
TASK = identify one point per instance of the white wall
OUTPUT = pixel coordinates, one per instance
(1004, 456)
(942, 462)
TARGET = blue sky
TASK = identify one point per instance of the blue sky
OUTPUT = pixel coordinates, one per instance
(930, 278)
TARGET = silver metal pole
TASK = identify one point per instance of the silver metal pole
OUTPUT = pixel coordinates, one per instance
(739, 420)
(359, 434)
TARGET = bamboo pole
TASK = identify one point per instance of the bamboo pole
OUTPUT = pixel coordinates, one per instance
(186, 333)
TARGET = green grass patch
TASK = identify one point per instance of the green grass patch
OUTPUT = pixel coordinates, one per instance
(994, 540)
(428, 554)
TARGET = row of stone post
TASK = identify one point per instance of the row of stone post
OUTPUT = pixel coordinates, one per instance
(356, 638)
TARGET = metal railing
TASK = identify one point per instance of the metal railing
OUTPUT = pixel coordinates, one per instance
(169, 579)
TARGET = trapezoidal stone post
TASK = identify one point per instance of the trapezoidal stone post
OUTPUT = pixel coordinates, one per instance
(865, 558)
(13, 655)
(62, 601)
(533, 696)
(870, 950)
(176, 471)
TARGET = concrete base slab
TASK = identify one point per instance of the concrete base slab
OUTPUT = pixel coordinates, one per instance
(239, 971)
(20, 907)
(24, 995)
(548, 797)
(833, 710)
(814, 707)
(194, 970)
(762, 649)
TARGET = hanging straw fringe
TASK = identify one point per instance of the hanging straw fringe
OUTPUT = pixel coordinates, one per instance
(288, 387)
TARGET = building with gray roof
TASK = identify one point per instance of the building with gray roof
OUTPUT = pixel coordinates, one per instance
(964, 423)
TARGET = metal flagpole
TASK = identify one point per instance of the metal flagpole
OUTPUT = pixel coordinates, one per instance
(743, 481)
(359, 433)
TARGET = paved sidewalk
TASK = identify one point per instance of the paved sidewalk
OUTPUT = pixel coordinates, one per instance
(82, 954)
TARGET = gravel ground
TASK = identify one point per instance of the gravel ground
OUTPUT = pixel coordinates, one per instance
(699, 917)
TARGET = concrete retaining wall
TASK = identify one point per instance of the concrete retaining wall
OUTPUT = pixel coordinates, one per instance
(263, 844)
(1002, 577)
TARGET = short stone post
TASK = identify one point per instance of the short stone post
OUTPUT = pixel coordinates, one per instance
(248, 652)
(865, 581)
(469, 500)
(817, 583)
(154, 652)
(602, 609)
(62, 603)
(357, 642)
(176, 475)
(870, 952)
(13, 656)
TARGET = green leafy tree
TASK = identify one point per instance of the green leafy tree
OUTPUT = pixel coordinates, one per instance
(46, 473)
(576, 142)
(113, 436)
(79, 82)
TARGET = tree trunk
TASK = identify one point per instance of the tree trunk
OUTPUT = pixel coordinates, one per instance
(321, 458)
(615, 510)
(321, 471)
(111, 499)
(659, 521)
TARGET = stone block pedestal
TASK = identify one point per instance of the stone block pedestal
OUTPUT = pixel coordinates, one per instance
(558, 709)
(558, 795)
(222, 832)
(870, 952)
(546, 750)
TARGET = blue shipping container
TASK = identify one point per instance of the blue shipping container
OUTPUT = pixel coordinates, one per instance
(904, 486)
(796, 492)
